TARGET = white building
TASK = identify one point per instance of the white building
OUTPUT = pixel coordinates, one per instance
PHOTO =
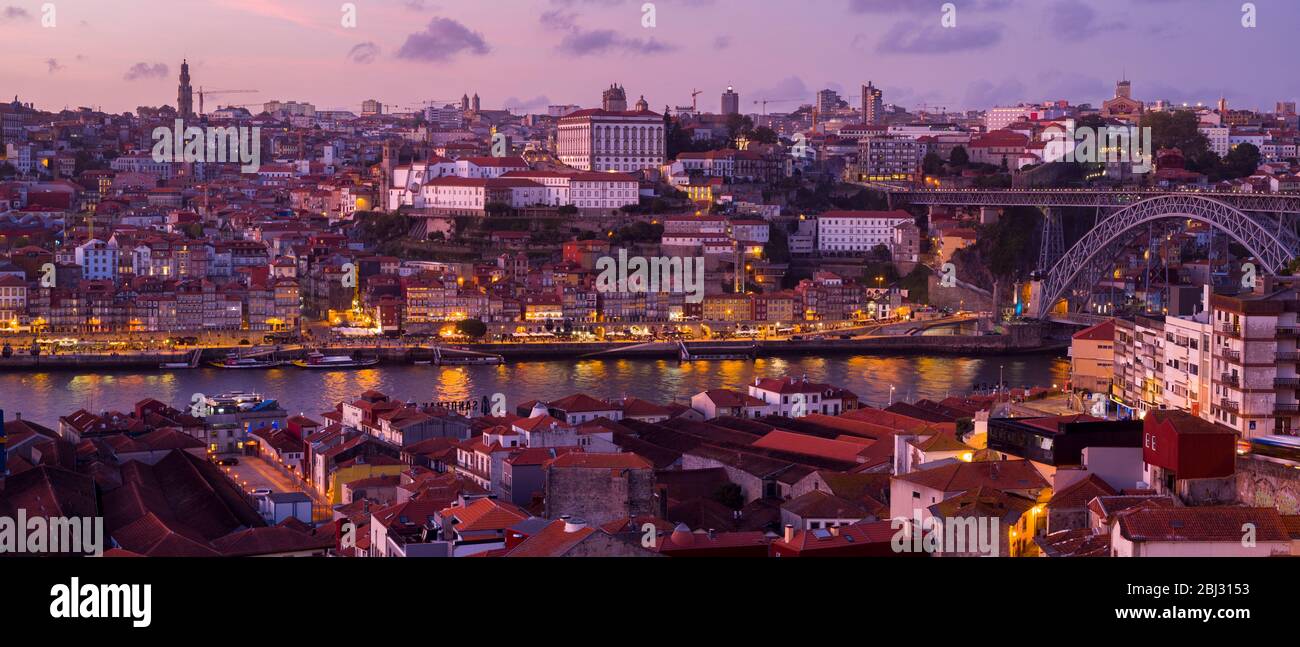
(795, 398)
(1217, 137)
(584, 190)
(1253, 376)
(601, 140)
(1157, 531)
(466, 194)
(857, 232)
(1187, 362)
(98, 260)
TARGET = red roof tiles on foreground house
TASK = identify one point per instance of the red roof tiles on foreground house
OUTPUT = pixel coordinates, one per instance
(873, 539)
(1208, 524)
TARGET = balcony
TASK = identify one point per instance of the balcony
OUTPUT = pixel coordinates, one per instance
(1230, 379)
(1286, 383)
(1288, 356)
(1286, 408)
(1228, 328)
(1231, 355)
(1287, 331)
(1229, 405)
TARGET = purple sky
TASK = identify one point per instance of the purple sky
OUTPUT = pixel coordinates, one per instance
(525, 54)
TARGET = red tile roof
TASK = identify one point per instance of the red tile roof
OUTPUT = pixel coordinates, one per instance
(1208, 524)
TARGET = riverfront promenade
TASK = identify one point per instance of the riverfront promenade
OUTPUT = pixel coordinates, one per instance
(901, 337)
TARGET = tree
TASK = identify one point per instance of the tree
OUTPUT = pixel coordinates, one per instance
(472, 328)
(1177, 129)
(1241, 161)
(959, 156)
(764, 135)
(932, 164)
(737, 125)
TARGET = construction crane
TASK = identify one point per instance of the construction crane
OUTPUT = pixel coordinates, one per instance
(203, 93)
(694, 106)
(764, 103)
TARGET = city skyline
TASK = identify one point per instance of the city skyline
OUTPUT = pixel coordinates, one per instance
(411, 51)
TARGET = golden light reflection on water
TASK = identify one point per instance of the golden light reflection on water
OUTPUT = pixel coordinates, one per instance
(45, 397)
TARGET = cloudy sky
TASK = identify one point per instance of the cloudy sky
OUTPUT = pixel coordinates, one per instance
(525, 54)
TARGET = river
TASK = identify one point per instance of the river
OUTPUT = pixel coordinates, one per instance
(44, 396)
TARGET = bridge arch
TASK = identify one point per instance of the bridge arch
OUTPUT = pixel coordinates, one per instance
(1081, 261)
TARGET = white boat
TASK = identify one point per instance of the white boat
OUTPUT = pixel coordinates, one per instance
(318, 360)
(246, 363)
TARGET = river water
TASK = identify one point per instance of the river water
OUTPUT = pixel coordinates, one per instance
(44, 396)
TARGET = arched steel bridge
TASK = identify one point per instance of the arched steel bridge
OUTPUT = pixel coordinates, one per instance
(1093, 198)
(1272, 244)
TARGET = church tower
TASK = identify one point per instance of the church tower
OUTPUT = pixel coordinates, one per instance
(185, 93)
(614, 99)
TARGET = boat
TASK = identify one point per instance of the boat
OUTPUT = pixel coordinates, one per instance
(319, 360)
(465, 358)
(705, 352)
(472, 360)
(246, 363)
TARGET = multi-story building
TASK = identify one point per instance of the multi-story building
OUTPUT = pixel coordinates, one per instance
(13, 299)
(1217, 136)
(1092, 356)
(1138, 385)
(98, 260)
(1253, 375)
(872, 104)
(1187, 363)
(603, 140)
(888, 158)
(850, 233)
(730, 102)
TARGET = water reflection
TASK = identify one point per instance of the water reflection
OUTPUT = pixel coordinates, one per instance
(44, 397)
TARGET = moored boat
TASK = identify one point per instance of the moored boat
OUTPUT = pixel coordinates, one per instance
(246, 363)
(319, 360)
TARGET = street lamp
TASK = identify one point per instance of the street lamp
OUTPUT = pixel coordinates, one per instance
(891, 395)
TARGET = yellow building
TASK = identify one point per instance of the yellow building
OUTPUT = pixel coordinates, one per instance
(1092, 358)
(357, 471)
(727, 307)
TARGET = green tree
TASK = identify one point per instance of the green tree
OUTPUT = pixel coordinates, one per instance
(1241, 161)
(959, 156)
(932, 164)
(738, 125)
(1176, 129)
(472, 328)
(764, 135)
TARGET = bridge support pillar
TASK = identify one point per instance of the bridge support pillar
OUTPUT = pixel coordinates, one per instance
(1053, 245)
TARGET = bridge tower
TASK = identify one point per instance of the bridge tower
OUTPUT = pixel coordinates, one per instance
(1052, 247)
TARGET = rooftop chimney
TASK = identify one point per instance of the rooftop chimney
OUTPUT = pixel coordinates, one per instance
(574, 525)
(789, 533)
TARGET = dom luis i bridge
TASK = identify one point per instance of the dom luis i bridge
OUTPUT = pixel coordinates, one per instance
(1264, 224)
